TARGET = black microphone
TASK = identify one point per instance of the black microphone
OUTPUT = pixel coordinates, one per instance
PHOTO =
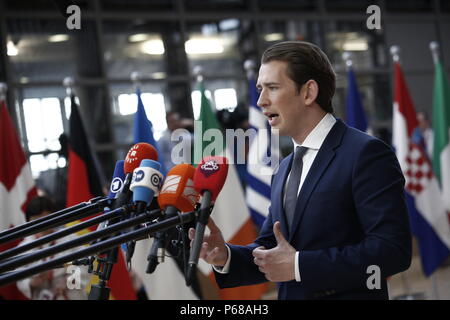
(209, 179)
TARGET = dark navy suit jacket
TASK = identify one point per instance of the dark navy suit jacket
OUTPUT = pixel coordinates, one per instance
(350, 214)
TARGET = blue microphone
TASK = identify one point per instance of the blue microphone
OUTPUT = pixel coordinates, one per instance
(146, 183)
(117, 181)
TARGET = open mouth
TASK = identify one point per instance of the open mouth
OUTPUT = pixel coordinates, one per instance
(271, 116)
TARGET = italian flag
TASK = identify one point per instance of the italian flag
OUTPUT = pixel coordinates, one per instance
(230, 210)
(441, 129)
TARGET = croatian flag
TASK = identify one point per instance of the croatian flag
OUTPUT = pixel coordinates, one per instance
(427, 214)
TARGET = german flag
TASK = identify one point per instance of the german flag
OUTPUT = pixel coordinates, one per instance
(83, 183)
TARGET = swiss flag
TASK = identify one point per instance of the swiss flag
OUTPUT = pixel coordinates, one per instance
(16, 187)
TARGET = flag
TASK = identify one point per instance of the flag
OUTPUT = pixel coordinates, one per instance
(441, 129)
(230, 210)
(354, 108)
(167, 282)
(143, 130)
(260, 170)
(16, 187)
(427, 214)
(83, 183)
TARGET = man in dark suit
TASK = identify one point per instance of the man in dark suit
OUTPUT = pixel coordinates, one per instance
(338, 218)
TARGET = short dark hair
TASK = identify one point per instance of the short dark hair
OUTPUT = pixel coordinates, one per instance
(38, 205)
(306, 62)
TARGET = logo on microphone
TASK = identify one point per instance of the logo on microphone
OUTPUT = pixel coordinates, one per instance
(139, 175)
(156, 180)
(209, 167)
(116, 185)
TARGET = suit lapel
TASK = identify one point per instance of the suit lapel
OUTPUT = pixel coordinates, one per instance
(321, 162)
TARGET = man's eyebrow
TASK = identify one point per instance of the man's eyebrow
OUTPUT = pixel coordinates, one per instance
(266, 84)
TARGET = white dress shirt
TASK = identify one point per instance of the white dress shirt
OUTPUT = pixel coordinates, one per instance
(313, 142)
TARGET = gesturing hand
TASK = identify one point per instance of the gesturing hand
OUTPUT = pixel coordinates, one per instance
(278, 264)
(214, 250)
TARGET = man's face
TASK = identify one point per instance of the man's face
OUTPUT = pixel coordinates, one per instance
(279, 98)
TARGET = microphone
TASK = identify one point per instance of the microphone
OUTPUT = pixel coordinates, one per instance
(145, 184)
(177, 194)
(209, 179)
(117, 181)
(135, 155)
(115, 188)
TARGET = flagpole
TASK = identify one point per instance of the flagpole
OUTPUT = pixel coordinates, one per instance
(3, 89)
(346, 56)
(68, 84)
(135, 77)
(434, 48)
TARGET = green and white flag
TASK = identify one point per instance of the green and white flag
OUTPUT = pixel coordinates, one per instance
(230, 211)
(441, 129)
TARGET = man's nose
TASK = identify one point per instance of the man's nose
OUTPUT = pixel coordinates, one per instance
(262, 100)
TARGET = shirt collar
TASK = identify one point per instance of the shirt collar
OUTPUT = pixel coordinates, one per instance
(317, 136)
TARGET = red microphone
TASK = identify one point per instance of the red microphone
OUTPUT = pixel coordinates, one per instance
(136, 154)
(209, 179)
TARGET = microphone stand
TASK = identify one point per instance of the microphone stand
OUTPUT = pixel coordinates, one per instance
(56, 219)
(98, 247)
(59, 234)
(47, 252)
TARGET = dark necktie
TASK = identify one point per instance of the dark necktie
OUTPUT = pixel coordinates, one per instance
(293, 183)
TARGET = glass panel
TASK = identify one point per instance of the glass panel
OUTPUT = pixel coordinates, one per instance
(275, 31)
(125, 105)
(40, 163)
(223, 95)
(214, 48)
(366, 48)
(40, 50)
(137, 46)
(43, 123)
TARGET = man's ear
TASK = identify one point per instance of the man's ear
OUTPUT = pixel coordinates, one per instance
(311, 91)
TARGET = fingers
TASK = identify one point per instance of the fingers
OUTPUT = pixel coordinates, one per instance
(259, 252)
(211, 255)
(278, 234)
(191, 233)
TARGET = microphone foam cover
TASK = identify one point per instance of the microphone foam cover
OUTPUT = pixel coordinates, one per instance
(117, 179)
(137, 153)
(210, 175)
(178, 189)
